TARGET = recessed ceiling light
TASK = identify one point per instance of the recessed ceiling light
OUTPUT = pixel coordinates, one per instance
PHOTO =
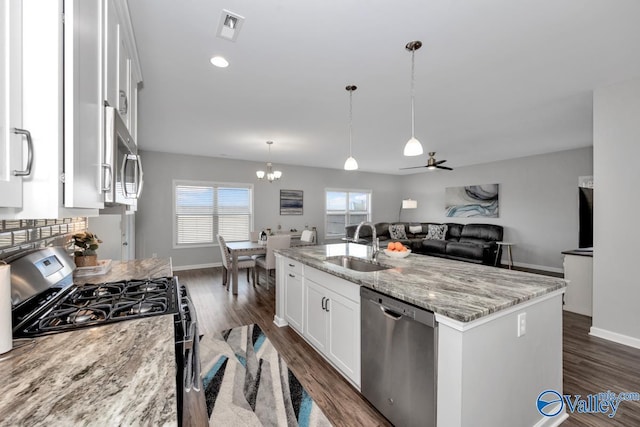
(220, 62)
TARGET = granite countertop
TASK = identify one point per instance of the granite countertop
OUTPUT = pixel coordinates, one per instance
(579, 252)
(122, 373)
(458, 290)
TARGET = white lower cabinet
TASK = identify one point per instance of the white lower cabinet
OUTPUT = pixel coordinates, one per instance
(294, 296)
(325, 310)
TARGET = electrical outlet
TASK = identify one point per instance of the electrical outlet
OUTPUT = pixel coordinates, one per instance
(522, 324)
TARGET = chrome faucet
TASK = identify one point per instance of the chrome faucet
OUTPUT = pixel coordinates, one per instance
(375, 243)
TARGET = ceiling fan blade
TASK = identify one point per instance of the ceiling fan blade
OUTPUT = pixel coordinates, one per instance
(414, 167)
(444, 167)
(439, 162)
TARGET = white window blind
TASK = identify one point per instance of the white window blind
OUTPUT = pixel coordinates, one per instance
(345, 207)
(203, 210)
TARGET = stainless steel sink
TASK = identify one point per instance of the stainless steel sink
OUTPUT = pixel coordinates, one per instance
(357, 264)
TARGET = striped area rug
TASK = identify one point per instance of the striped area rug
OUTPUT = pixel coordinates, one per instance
(247, 383)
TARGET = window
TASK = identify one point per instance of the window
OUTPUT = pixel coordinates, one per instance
(204, 209)
(346, 207)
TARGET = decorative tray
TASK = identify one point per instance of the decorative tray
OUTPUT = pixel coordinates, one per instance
(103, 267)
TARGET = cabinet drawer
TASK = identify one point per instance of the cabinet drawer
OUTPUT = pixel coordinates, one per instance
(333, 283)
(292, 266)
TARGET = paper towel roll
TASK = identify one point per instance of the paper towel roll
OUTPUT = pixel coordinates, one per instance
(6, 334)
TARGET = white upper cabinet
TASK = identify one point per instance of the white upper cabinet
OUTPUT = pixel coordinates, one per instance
(122, 66)
(12, 135)
(59, 75)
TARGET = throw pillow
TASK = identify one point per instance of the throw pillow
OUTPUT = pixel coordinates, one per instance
(437, 232)
(415, 229)
(396, 231)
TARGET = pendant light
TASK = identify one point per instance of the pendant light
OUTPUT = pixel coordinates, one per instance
(350, 164)
(270, 174)
(413, 146)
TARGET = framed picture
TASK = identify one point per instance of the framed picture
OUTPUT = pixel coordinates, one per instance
(472, 201)
(291, 202)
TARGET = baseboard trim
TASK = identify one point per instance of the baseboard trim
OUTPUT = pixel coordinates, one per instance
(196, 266)
(615, 337)
(538, 267)
(552, 421)
(279, 321)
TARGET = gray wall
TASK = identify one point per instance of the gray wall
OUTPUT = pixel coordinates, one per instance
(616, 150)
(154, 218)
(538, 201)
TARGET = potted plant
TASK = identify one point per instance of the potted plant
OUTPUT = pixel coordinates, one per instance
(86, 244)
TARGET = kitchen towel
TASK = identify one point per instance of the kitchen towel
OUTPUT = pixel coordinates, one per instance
(6, 334)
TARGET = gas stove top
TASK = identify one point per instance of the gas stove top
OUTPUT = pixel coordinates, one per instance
(95, 304)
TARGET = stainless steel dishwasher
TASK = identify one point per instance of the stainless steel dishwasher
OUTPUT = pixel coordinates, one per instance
(399, 359)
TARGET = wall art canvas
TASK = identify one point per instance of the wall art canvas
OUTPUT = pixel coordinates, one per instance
(291, 202)
(472, 201)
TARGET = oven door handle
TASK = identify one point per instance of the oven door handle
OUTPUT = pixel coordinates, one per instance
(189, 348)
(196, 380)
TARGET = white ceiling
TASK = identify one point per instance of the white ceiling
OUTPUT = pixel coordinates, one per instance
(495, 79)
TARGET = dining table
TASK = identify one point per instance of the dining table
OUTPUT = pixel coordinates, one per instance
(248, 248)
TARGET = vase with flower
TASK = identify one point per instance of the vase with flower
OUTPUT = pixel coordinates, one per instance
(86, 244)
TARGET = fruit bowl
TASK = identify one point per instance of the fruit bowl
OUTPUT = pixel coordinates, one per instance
(397, 254)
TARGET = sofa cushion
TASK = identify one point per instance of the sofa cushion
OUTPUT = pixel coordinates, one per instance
(454, 231)
(437, 232)
(486, 232)
(415, 229)
(382, 229)
(465, 250)
(397, 231)
(434, 246)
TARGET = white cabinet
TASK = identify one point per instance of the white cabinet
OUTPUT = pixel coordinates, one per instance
(61, 107)
(325, 310)
(12, 167)
(332, 325)
(121, 64)
(56, 77)
(294, 295)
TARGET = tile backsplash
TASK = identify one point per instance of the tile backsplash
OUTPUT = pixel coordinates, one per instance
(22, 235)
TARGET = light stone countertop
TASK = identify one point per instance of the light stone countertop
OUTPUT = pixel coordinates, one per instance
(458, 290)
(123, 373)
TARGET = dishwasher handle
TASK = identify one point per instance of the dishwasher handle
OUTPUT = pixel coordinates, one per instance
(390, 314)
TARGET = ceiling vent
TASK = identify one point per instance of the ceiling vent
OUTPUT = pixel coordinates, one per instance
(229, 25)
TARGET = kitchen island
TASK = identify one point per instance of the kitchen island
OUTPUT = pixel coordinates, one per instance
(499, 332)
(122, 373)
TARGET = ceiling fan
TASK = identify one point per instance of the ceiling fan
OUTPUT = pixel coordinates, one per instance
(432, 163)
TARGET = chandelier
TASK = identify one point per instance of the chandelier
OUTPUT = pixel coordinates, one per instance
(270, 174)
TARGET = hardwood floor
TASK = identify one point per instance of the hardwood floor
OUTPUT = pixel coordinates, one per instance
(591, 365)
(218, 309)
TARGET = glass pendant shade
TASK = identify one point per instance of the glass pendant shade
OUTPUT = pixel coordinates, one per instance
(260, 174)
(350, 164)
(413, 147)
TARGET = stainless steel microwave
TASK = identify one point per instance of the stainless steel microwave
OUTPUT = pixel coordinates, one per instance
(122, 167)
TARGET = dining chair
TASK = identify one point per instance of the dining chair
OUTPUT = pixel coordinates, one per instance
(268, 261)
(244, 262)
(308, 236)
(254, 235)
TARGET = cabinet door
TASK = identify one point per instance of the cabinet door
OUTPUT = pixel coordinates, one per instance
(293, 299)
(124, 83)
(83, 104)
(11, 104)
(315, 322)
(111, 40)
(344, 335)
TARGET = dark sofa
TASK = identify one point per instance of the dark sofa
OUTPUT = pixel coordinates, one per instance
(465, 242)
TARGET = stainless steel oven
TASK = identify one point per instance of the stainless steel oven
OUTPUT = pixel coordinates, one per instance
(122, 167)
(46, 301)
